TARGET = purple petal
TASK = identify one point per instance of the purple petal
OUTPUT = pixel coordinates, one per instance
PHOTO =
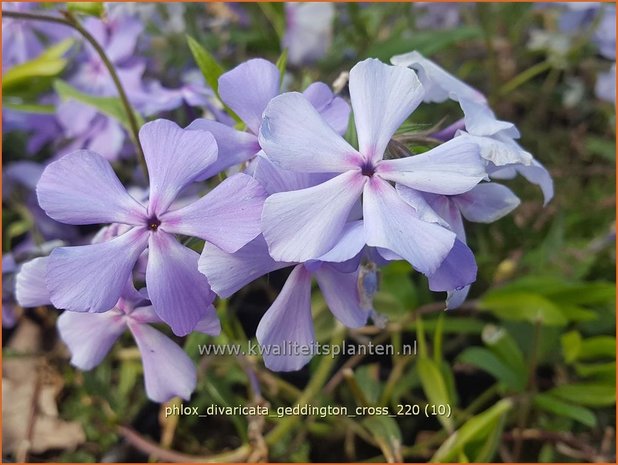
(383, 97)
(90, 336)
(481, 121)
(108, 140)
(235, 147)
(210, 324)
(295, 137)
(275, 179)
(227, 273)
(91, 278)
(392, 224)
(447, 209)
(82, 188)
(248, 88)
(178, 291)
(286, 329)
(418, 201)
(175, 158)
(349, 245)
(168, 370)
(305, 224)
(228, 216)
(439, 84)
(30, 287)
(451, 168)
(456, 298)
(499, 150)
(456, 271)
(538, 174)
(340, 291)
(334, 110)
(487, 202)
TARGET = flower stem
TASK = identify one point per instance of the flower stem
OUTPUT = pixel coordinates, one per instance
(70, 20)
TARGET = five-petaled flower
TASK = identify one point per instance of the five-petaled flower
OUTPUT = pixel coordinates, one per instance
(82, 188)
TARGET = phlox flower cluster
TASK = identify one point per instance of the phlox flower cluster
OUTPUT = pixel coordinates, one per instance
(296, 193)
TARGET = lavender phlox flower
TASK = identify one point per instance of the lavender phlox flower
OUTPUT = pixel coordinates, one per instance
(304, 224)
(247, 89)
(21, 39)
(308, 32)
(288, 320)
(496, 138)
(82, 188)
(168, 371)
(485, 203)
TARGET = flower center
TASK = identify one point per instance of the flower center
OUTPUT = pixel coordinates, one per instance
(153, 223)
(368, 169)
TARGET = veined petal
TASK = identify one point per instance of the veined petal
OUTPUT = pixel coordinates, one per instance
(487, 202)
(418, 201)
(91, 278)
(334, 110)
(439, 84)
(392, 224)
(456, 271)
(446, 208)
(456, 298)
(82, 188)
(295, 137)
(499, 150)
(349, 245)
(228, 216)
(286, 328)
(179, 293)
(340, 291)
(30, 287)
(303, 225)
(383, 97)
(175, 158)
(210, 324)
(248, 88)
(168, 370)
(275, 179)
(234, 146)
(537, 174)
(481, 121)
(229, 272)
(90, 336)
(451, 168)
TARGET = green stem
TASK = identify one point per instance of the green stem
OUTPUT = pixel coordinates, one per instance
(525, 76)
(313, 388)
(69, 20)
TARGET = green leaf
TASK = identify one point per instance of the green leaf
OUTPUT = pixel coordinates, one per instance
(208, 65)
(48, 64)
(30, 107)
(605, 372)
(587, 394)
(95, 9)
(476, 429)
(387, 435)
(598, 347)
(500, 342)
(282, 61)
(522, 306)
(491, 363)
(556, 406)
(110, 106)
(434, 387)
(571, 345)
